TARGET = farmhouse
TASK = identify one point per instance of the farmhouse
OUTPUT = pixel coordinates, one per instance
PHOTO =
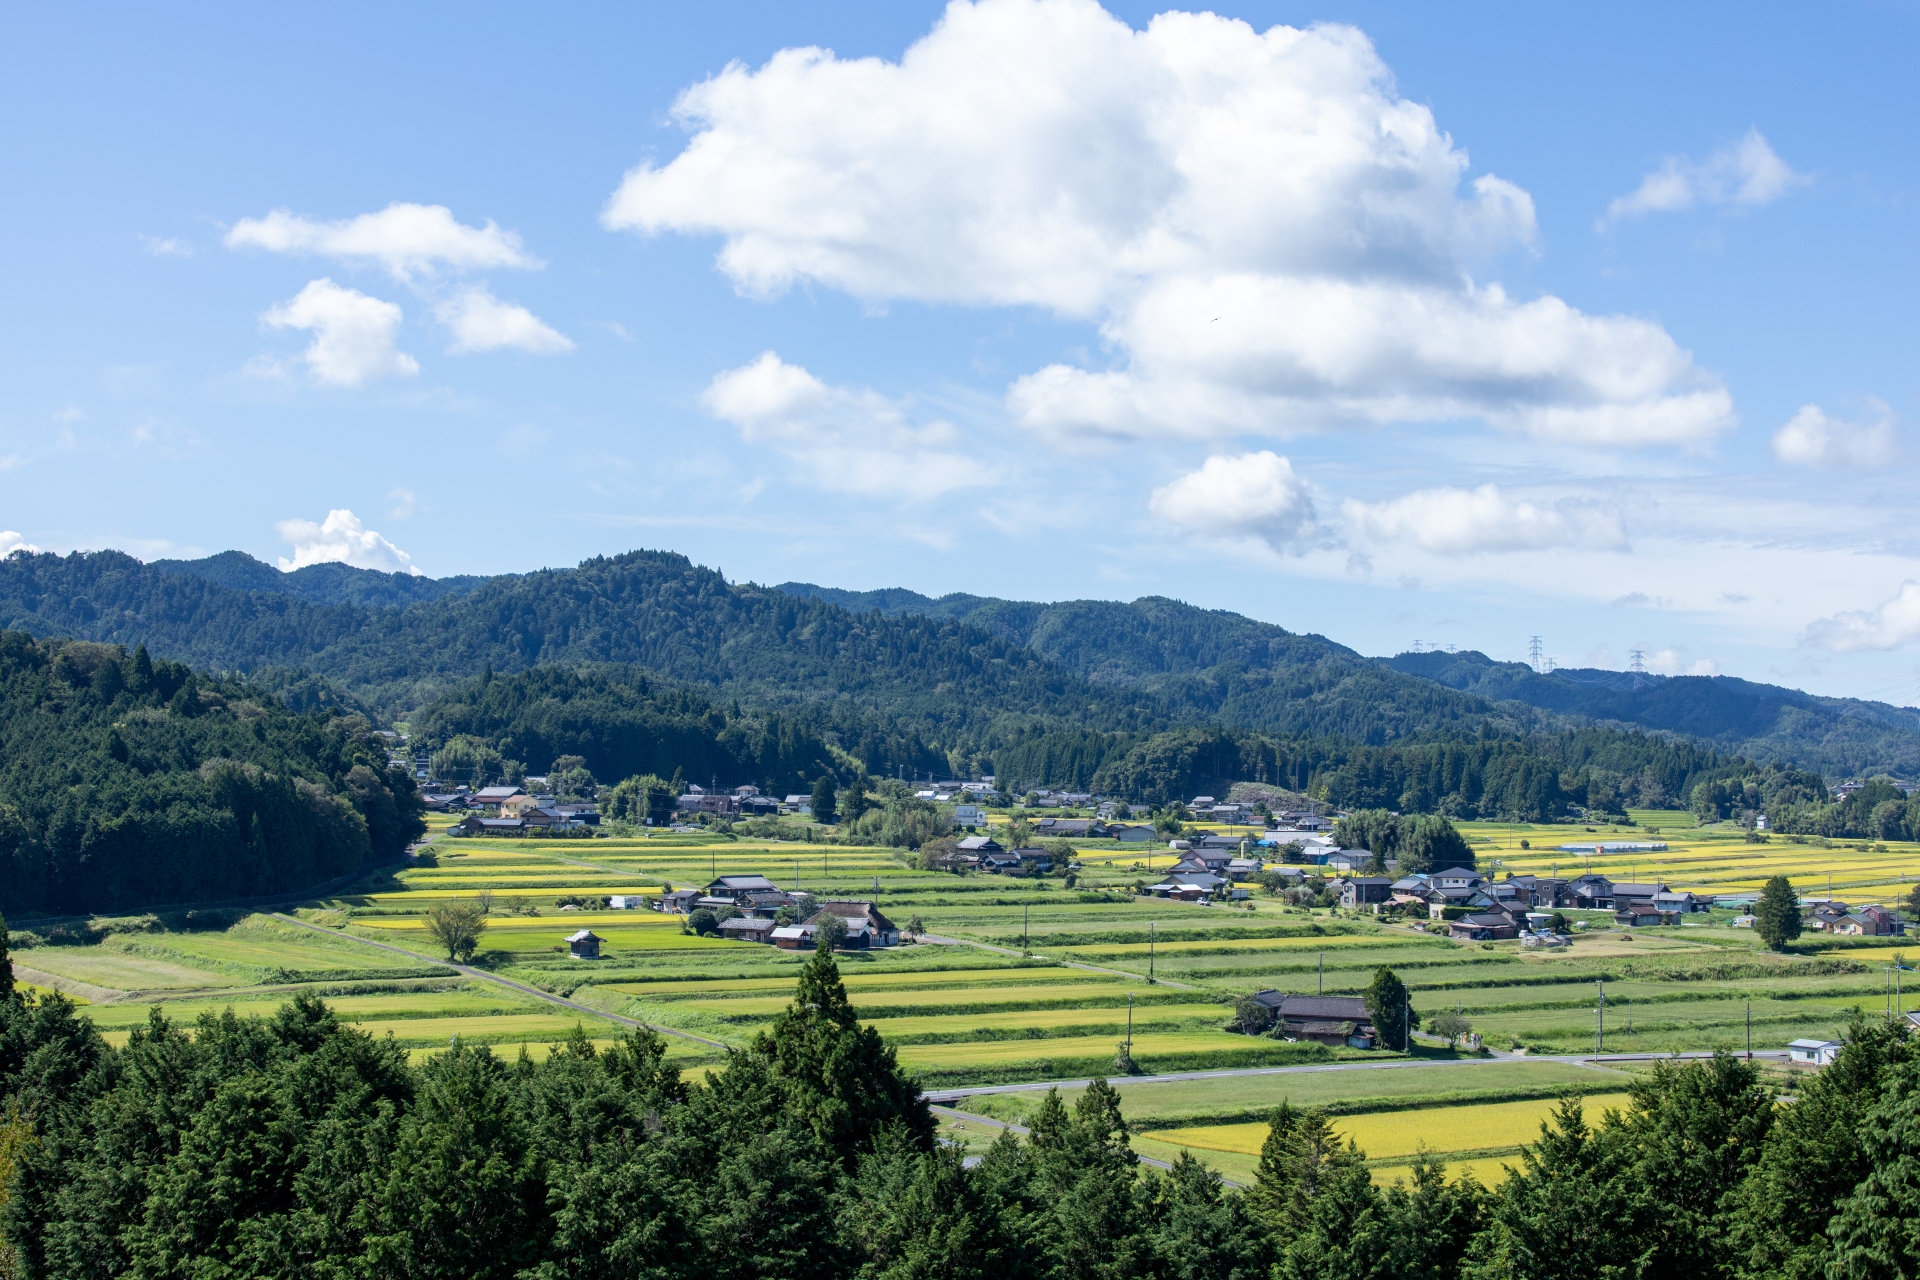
(866, 927)
(1589, 893)
(748, 928)
(1539, 891)
(737, 889)
(1363, 891)
(1334, 1020)
(679, 901)
(1072, 828)
(1486, 927)
(475, 825)
(495, 797)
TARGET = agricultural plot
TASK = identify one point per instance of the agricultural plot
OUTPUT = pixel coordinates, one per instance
(1471, 1135)
(1711, 860)
(976, 1011)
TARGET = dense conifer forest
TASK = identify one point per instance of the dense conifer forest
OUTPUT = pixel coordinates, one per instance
(131, 782)
(300, 1147)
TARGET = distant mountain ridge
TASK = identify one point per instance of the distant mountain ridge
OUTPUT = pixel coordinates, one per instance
(903, 671)
(331, 583)
(1163, 644)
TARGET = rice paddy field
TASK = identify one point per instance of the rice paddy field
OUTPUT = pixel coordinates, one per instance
(1023, 980)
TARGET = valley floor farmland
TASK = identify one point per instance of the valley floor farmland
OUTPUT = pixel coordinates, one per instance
(1031, 981)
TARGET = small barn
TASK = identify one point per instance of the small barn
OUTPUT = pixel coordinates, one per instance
(1813, 1053)
(584, 945)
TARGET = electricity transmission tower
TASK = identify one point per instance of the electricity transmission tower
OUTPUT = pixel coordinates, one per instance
(1638, 665)
(1535, 650)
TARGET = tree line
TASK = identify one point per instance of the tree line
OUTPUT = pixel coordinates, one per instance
(297, 1146)
(128, 781)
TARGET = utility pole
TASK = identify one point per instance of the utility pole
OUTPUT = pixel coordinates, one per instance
(1025, 948)
(1150, 941)
(1129, 1024)
(1749, 1031)
(1599, 1014)
(1320, 978)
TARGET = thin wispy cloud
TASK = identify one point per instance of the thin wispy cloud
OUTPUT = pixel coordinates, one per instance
(1745, 174)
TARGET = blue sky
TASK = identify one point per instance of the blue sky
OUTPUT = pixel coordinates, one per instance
(1452, 324)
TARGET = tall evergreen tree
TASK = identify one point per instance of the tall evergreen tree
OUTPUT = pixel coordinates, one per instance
(1391, 1005)
(847, 1081)
(823, 795)
(1776, 916)
(1873, 1229)
(6, 963)
(1814, 1156)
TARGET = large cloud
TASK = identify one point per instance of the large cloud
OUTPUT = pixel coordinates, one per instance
(1255, 495)
(1271, 235)
(848, 438)
(406, 239)
(341, 537)
(1455, 522)
(1892, 625)
(355, 336)
(1812, 439)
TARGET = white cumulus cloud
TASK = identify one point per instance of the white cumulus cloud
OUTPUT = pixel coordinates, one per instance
(1670, 662)
(355, 336)
(1747, 172)
(1812, 439)
(406, 239)
(11, 542)
(481, 322)
(848, 438)
(1270, 235)
(1458, 522)
(1890, 626)
(342, 538)
(1254, 495)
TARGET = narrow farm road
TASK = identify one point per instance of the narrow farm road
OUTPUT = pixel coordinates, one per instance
(469, 971)
(1598, 1061)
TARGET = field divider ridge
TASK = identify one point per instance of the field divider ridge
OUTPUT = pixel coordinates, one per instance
(1068, 964)
(481, 974)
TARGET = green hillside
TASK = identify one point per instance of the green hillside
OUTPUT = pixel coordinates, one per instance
(1255, 674)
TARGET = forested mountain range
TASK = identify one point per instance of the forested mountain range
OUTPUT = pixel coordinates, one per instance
(1242, 672)
(917, 683)
(959, 684)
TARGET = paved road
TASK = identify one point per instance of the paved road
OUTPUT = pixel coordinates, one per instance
(481, 974)
(1598, 1061)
